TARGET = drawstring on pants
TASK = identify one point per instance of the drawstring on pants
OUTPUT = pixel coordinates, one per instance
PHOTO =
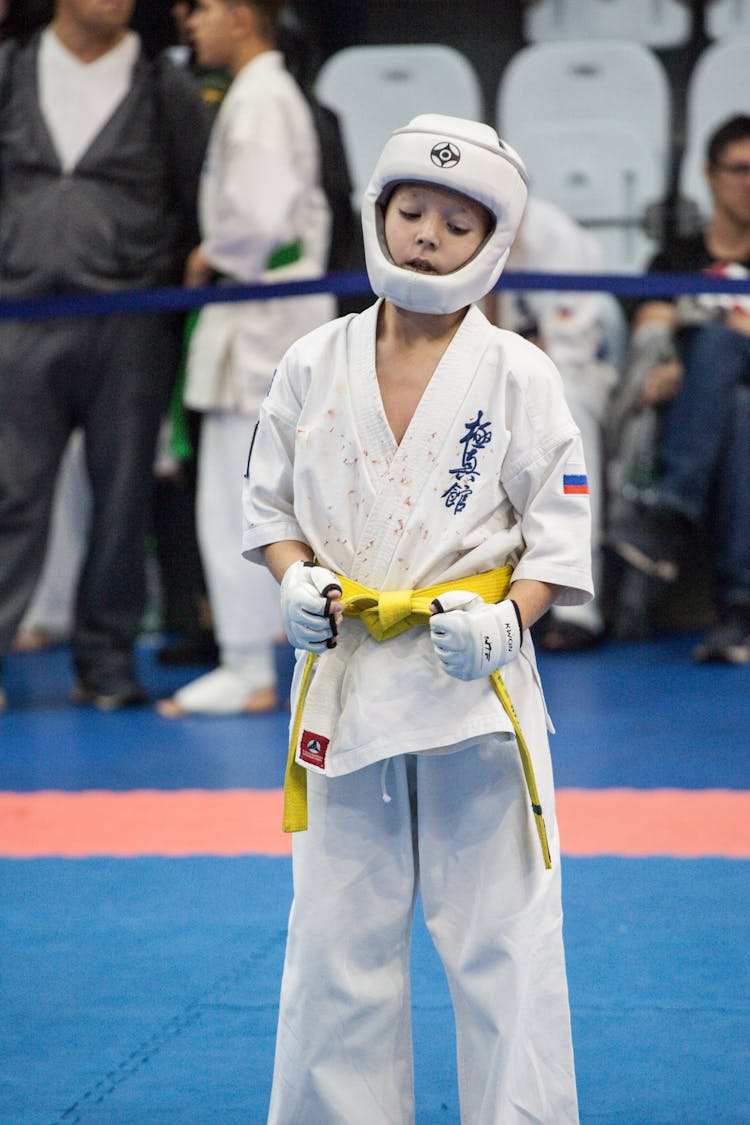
(383, 787)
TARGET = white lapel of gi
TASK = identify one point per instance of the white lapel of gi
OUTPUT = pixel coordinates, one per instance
(400, 474)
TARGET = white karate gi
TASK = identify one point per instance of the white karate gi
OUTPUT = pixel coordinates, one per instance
(260, 191)
(584, 334)
(478, 480)
(52, 609)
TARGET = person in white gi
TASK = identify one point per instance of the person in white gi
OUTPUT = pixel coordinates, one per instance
(264, 218)
(585, 336)
(406, 452)
(50, 615)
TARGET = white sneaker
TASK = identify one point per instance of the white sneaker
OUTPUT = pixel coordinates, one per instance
(727, 642)
(224, 691)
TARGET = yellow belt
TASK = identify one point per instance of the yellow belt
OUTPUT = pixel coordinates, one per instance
(386, 613)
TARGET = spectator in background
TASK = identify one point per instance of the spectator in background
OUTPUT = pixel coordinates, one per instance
(101, 198)
(177, 600)
(214, 81)
(264, 217)
(683, 420)
(583, 335)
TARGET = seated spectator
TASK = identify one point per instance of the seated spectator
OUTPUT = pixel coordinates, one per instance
(681, 425)
(583, 335)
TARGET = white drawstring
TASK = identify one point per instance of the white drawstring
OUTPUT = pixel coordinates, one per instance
(383, 788)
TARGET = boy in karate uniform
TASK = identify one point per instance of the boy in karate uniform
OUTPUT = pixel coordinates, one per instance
(416, 483)
(264, 218)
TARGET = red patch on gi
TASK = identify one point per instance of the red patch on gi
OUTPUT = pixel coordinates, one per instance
(313, 749)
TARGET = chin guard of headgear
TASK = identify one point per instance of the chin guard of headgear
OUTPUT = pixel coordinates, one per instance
(465, 156)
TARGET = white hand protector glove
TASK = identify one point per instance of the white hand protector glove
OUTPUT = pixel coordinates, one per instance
(471, 638)
(306, 606)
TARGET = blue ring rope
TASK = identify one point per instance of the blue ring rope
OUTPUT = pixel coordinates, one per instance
(180, 299)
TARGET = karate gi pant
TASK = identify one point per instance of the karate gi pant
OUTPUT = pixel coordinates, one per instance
(244, 596)
(458, 826)
(52, 608)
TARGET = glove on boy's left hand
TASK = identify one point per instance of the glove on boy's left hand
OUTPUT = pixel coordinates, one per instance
(471, 638)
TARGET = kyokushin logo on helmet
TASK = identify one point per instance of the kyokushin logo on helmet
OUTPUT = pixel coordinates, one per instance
(445, 154)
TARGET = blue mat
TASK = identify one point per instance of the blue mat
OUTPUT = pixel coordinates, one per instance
(144, 992)
(638, 715)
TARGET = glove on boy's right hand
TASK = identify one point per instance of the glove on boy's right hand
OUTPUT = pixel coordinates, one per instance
(306, 595)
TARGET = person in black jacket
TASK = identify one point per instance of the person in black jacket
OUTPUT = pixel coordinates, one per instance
(100, 155)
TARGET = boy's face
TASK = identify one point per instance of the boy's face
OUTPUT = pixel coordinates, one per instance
(210, 25)
(729, 180)
(432, 229)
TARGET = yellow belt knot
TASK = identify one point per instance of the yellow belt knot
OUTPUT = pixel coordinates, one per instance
(386, 614)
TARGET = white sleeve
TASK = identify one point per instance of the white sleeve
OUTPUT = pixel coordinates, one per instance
(268, 489)
(257, 192)
(544, 475)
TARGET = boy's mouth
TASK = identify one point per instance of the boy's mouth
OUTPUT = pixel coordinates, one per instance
(421, 265)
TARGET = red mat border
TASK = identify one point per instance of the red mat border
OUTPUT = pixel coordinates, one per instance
(623, 822)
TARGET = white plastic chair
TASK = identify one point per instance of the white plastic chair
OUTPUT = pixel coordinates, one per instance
(718, 88)
(609, 81)
(376, 89)
(727, 17)
(655, 23)
(603, 175)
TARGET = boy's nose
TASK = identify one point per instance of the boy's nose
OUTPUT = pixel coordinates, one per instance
(428, 233)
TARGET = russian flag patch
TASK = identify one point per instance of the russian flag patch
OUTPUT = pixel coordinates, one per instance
(575, 483)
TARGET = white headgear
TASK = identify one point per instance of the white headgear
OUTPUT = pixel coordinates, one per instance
(464, 156)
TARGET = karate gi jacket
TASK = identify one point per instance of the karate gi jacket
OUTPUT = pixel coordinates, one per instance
(490, 471)
(260, 193)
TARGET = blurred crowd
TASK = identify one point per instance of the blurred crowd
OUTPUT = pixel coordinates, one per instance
(187, 147)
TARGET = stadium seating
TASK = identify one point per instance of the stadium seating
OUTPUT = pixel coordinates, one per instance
(592, 121)
(655, 23)
(375, 89)
(727, 17)
(603, 175)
